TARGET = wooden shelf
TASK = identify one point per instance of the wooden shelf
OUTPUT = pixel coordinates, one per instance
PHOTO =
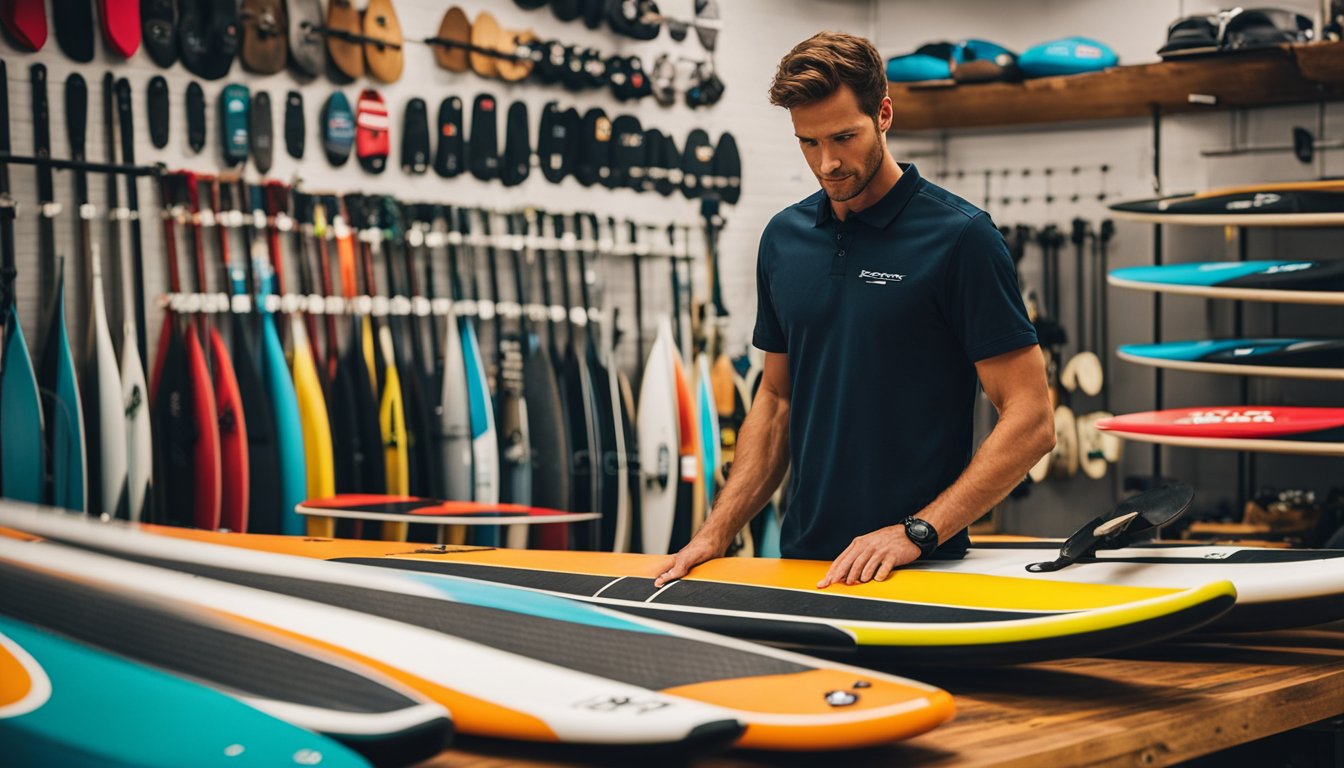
(1289, 74)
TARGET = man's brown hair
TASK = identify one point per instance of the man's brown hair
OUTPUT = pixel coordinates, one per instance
(818, 66)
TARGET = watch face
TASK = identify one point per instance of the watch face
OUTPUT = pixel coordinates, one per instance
(918, 529)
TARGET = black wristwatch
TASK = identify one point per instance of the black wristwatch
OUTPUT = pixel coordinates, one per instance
(923, 534)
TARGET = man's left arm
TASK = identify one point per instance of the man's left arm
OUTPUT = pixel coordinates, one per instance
(1015, 382)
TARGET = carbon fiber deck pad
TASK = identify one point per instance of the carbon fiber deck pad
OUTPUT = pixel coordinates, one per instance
(710, 594)
(144, 632)
(648, 660)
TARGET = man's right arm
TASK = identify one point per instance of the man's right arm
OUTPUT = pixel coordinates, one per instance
(759, 463)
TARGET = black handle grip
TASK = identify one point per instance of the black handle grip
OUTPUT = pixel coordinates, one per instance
(76, 113)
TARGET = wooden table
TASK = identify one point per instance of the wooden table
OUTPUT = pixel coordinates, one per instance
(1150, 707)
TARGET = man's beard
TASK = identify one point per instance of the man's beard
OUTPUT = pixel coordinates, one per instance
(862, 177)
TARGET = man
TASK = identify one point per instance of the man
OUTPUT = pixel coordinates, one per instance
(882, 298)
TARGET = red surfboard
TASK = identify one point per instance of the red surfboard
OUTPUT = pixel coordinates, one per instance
(121, 25)
(1276, 429)
(26, 22)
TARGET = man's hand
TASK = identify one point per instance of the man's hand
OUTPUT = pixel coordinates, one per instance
(872, 556)
(696, 552)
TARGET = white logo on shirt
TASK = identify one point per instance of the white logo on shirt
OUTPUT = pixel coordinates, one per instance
(879, 278)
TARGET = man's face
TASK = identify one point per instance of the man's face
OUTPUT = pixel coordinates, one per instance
(843, 146)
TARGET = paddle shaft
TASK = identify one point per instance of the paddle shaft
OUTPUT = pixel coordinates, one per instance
(127, 121)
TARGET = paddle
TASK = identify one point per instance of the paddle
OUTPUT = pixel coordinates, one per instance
(576, 388)
(548, 440)
(235, 489)
(264, 247)
(181, 395)
(1123, 525)
(485, 449)
(65, 481)
(23, 451)
(453, 407)
(263, 499)
(317, 442)
(511, 412)
(609, 445)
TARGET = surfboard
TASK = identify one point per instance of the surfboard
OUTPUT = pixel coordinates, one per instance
(659, 441)
(1288, 204)
(1296, 282)
(710, 448)
(1276, 588)
(1267, 429)
(1293, 358)
(525, 666)
(912, 618)
(307, 687)
(174, 721)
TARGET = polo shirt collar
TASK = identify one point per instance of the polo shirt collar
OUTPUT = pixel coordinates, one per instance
(884, 211)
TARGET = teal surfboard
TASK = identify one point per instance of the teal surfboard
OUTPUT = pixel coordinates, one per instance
(66, 704)
(1282, 357)
(1301, 282)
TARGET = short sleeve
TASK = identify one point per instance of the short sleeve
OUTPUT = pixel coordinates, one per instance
(769, 334)
(983, 302)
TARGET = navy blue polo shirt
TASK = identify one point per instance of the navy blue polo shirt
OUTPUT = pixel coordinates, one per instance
(883, 318)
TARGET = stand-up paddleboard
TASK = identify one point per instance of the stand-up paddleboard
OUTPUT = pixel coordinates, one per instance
(912, 618)
(174, 721)
(451, 517)
(710, 449)
(304, 686)
(659, 441)
(66, 481)
(293, 475)
(524, 666)
(1290, 204)
(22, 452)
(134, 388)
(1287, 358)
(690, 499)
(1267, 429)
(454, 408)
(1295, 282)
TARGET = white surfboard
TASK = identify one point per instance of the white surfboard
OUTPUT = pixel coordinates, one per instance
(102, 390)
(659, 441)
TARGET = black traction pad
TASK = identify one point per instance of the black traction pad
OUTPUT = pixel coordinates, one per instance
(450, 155)
(208, 36)
(655, 164)
(727, 169)
(296, 132)
(262, 130)
(516, 164)
(73, 20)
(697, 162)
(483, 147)
(158, 31)
(157, 112)
(554, 137)
(627, 153)
(195, 116)
(593, 148)
(415, 137)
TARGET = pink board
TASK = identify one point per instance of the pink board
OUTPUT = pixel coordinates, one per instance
(1241, 422)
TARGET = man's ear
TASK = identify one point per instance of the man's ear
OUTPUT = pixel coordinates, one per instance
(884, 115)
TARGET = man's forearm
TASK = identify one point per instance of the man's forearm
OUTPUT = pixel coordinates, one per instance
(1015, 444)
(759, 463)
